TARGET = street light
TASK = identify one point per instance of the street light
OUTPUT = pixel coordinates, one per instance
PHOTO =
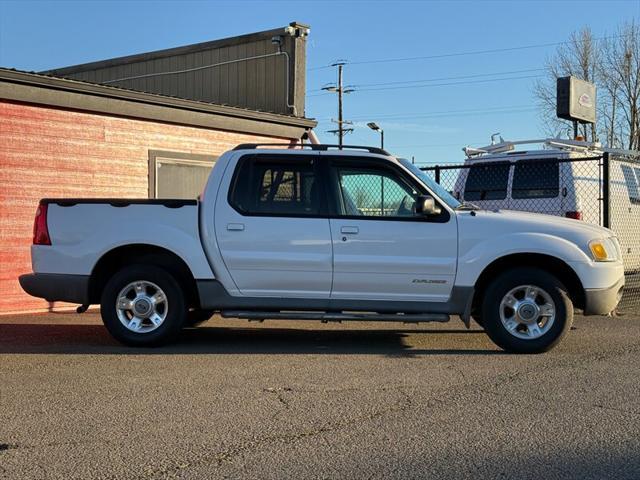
(374, 126)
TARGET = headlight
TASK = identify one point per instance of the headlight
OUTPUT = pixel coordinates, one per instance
(603, 250)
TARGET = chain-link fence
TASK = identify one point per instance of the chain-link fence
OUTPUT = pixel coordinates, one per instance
(621, 213)
(602, 190)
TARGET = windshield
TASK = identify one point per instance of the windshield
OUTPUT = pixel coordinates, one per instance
(440, 192)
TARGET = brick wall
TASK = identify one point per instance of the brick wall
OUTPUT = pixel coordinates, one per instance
(49, 152)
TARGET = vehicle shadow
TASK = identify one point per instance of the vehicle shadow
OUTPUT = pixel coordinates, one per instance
(94, 339)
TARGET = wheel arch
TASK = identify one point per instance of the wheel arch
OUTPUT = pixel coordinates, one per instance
(142, 254)
(548, 263)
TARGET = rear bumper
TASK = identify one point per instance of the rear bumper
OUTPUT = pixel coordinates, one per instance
(601, 301)
(57, 287)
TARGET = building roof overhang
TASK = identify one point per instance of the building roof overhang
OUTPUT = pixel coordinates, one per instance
(78, 95)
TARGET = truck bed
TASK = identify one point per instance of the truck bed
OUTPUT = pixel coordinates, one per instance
(83, 229)
(119, 202)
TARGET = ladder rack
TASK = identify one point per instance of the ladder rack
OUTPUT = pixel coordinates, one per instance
(507, 146)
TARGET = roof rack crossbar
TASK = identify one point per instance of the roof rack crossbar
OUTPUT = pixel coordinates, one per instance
(313, 146)
(506, 146)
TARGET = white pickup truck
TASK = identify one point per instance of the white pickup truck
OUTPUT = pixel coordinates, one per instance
(322, 234)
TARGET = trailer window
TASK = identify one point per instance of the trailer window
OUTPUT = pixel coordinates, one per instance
(533, 179)
(632, 180)
(487, 182)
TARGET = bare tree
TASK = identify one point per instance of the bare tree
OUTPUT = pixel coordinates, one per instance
(580, 57)
(620, 78)
(613, 64)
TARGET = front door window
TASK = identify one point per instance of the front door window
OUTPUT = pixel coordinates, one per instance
(374, 193)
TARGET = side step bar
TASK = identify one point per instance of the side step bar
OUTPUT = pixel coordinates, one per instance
(337, 316)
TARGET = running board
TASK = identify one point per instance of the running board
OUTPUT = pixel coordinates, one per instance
(337, 316)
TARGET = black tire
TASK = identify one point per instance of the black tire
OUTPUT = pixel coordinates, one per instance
(196, 317)
(176, 312)
(512, 279)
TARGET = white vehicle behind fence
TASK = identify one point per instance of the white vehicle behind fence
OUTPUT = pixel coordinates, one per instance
(565, 178)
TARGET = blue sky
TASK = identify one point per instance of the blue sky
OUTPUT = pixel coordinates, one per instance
(460, 100)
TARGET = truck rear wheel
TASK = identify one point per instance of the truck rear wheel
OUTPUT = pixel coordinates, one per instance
(143, 305)
(526, 310)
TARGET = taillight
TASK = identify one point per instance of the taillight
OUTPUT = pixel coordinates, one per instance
(574, 215)
(40, 230)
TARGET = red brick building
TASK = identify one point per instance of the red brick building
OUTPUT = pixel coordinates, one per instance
(68, 138)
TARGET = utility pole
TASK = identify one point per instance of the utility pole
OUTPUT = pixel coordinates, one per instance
(340, 90)
(340, 127)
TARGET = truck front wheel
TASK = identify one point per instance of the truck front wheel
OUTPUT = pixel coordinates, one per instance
(526, 310)
(143, 305)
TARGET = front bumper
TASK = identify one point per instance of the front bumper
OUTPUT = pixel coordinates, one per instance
(601, 301)
(57, 287)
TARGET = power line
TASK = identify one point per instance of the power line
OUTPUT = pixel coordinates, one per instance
(443, 113)
(448, 83)
(451, 78)
(462, 111)
(438, 79)
(435, 145)
(445, 84)
(461, 54)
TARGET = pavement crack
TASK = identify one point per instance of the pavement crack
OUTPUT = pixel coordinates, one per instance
(619, 410)
(70, 443)
(279, 392)
(282, 400)
(405, 403)
(227, 456)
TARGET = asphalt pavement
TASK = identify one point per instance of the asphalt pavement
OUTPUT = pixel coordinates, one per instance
(300, 400)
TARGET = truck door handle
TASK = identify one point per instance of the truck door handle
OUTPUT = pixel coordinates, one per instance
(236, 227)
(349, 230)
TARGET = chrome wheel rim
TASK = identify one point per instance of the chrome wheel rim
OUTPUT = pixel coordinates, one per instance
(527, 312)
(142, 306)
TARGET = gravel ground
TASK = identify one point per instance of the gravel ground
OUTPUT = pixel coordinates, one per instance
(305, 400)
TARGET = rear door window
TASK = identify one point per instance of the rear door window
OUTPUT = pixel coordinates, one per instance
(277, 187)
(536, 179)
(487, 182)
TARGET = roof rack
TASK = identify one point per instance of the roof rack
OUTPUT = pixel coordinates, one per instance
(313, 146)
(507, 146)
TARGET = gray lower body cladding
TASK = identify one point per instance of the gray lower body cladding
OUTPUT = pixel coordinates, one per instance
(55, 287)
(214, 296)
(602, 301)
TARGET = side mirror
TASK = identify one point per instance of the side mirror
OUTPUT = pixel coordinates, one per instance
(426, 206)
